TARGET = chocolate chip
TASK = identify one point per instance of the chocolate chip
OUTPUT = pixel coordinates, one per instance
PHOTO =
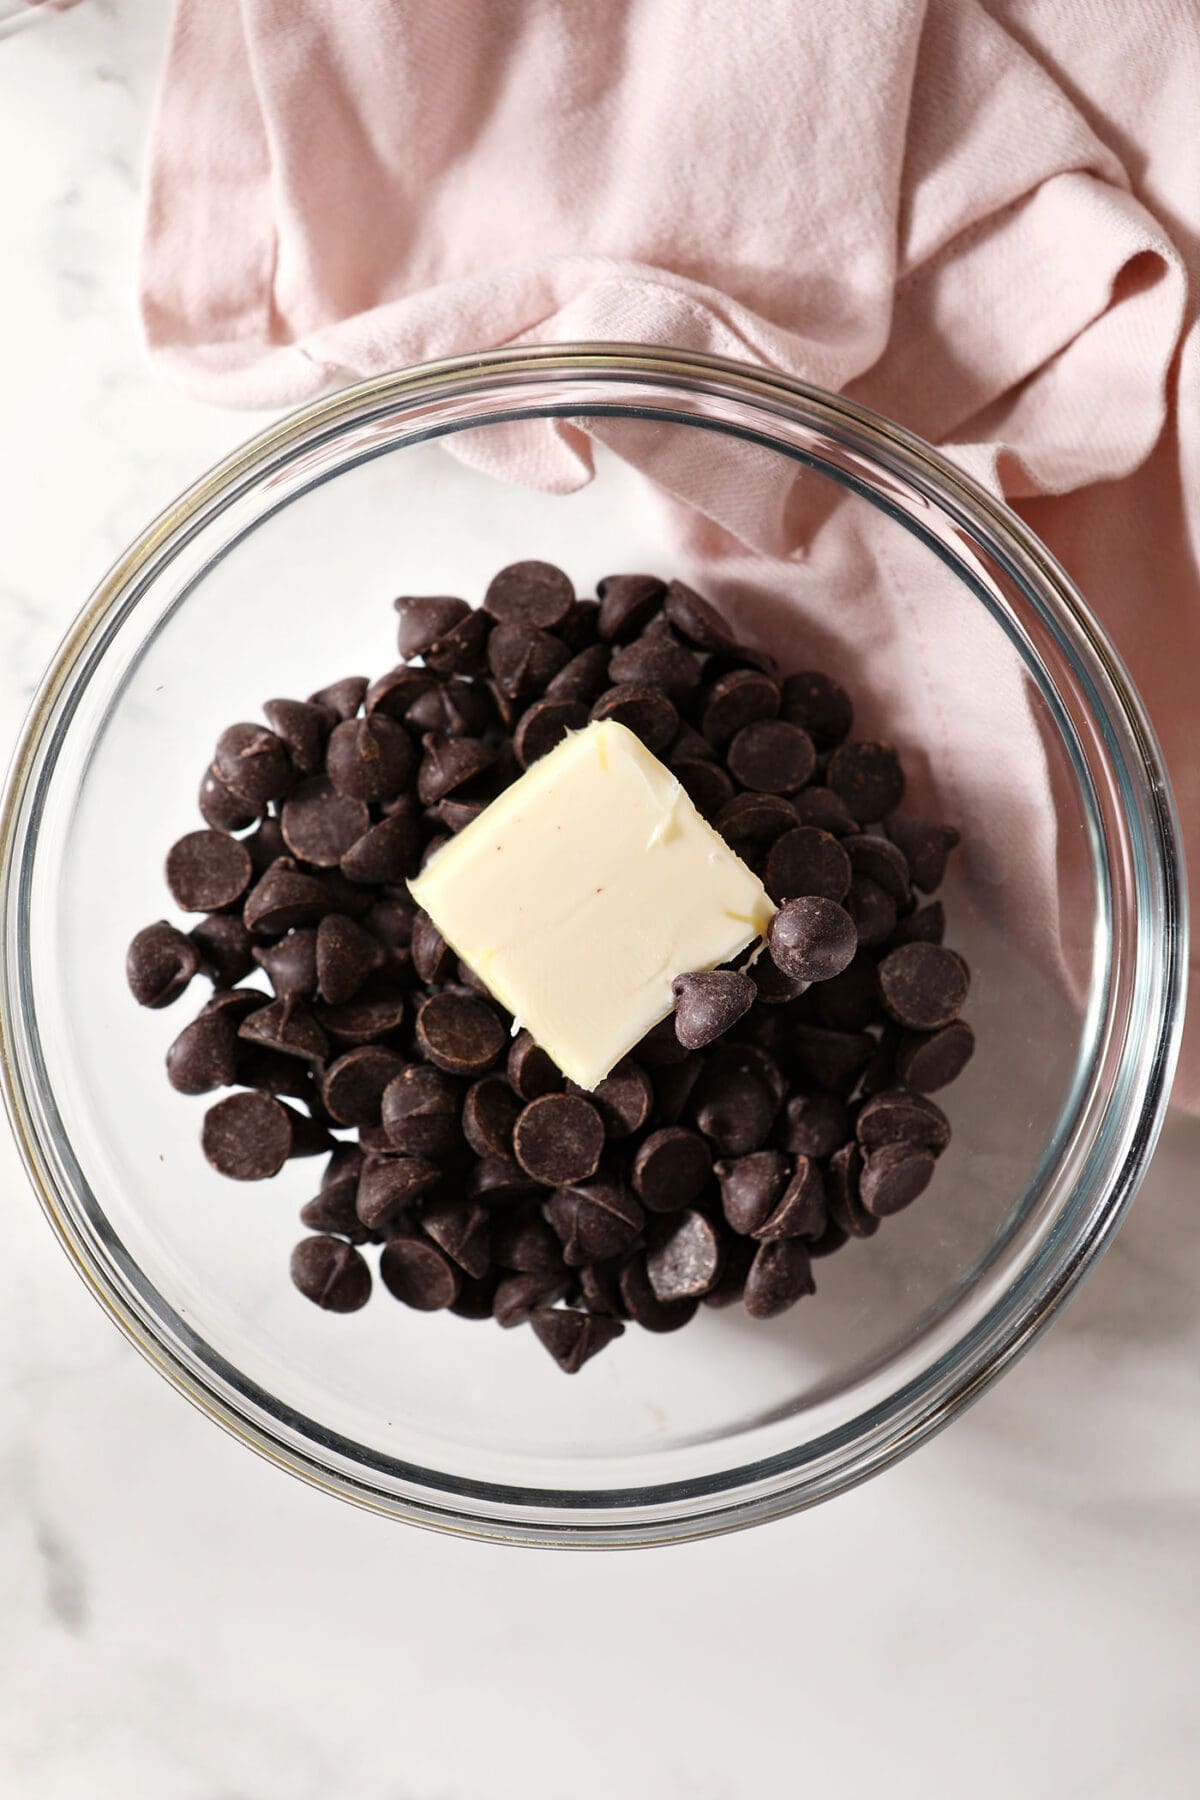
(623, 1099)
(833, 1059)
(707, 786)
(572, 1337)
(265, 846)
(207, 870)
(806, 862)
(455, 708)
(332, 1211)
(462, 649)
(384, 854)
(225, 948)
(389, 1185)
(846, 1210)
(868, 778)
(475, 1296)
(925, 926)
(660, 1047)
(455, 814)
(291, 964)
(581, 627)
(923, 985)
(498, 1179)
(742, 698)
(369, 759)
(696, 620)
(558, 1139)
(464, 1232)
(342, 698)
(204, 1055)
(684, 1261)
(771, 756)
(644, 710)
(801, 1210)
(544, 725)
(583, 678)
(524, 660)
(450, 763)
(897, 1116)
(873, 911)
(346, 955)
(303, 729)
(925, 845)
(643, 1305)
(600, 1288)
(813, 1124)
(517, 1295)
(874, 858)
(928, 1061)
(688, 745)
(459, 1033)
(159, 963)
(772, 986)
(425, 619)
(893, 1177)
(751, 823)
(420, 1112)
(352, 1087)
(671, 1169)
(817, 703)
(738, 1255)
(331, 1274)
(522, 1241)
(594, 1219)
(396, 691)
(657, 661)
(221, 808)
(779, 1276)
(812, 939)
(489, 1113)
(530, 593)
(531, 1072)
(432, 957)
(708, 1002)
(821, 807)
(252, 762)
(288, 1027)
(247, 1136)
(752, 1187)
(849, 1001)
(673, 1087)
(390, 923)
(627, 604)
(733, 1103)
(418, 1273)
(320, 825)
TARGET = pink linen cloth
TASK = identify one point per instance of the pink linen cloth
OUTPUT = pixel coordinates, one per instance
(978, 216)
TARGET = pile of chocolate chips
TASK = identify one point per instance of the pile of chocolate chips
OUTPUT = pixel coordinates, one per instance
(760, 1127)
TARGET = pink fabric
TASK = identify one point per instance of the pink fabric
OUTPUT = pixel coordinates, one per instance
(978, 216)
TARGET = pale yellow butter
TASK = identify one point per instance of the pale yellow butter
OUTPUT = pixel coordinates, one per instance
(584, 890)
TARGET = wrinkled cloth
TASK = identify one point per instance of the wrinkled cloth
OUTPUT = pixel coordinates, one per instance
(978, 217)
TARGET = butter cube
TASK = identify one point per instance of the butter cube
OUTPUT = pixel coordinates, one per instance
(581, 893)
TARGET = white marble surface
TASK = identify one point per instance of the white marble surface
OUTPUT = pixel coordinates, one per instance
(1013, 1611)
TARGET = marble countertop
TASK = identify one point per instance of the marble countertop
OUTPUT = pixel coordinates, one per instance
(1012, 1611)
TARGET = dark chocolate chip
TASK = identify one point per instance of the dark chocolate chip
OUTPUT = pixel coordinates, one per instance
(303, 729)
(671, 1169)
(897, 1116)
(475, 1296)
(420, 1112)
(659, 662)
(331, 1274)
(818, 704)
(751, 823)
(396, 691)
(489, 1113)
(707, 786)
(868, 777)
(389, 1185)
(821, 807)
(369, 759)
(346, 955)
(204, 1055)
(624, 1099)
(738, 1255)
(696, 620)
(459, 1033)
(846, 1210)
(923, 985)
(833, 1059)
(581, 627)
(925, 926)
(524, 660)
(708, 1003)
(285, 897)
(752, 1187)
(291, 964)
(450, 763)
(627, 605)
(734, 1103)
(464, 1232)
(644, 710)
(432, 957)
(159, 963)
(875, 858)
(684, 1261)
(673, 1087)
(221, 808)
(807, 862)
(352, 1086)
(801, 1210)
(425, 619)
(332, 1211)
(454, 814)
(600, 1288)
(319, 825)
(498, 1179)
(779, 1276)
(390, 923)
(543, 727)
(253, 762)
(517, 1295)
(343, 698)
(530, 593)
(531, 1072)
(206, 870)
(461, 650)
(772, 986)
(583, 678)
(558, 1139)
(873, 911)
(418, 1273)
(247, 1136)
(225, 948)
(384, 854)
(572, 1337)
(376, 1010)
(522, 1241)
(643, 1304)
(812, 939)
(660, 1047)
(594, 1219)
(771, 756)
(455, 708)
(925, 845)
(927, 1061)
(288, 1027)
(893, 1177)
(741, 698)
(265, 846)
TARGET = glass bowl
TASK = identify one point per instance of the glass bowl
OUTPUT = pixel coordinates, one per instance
(274, 574)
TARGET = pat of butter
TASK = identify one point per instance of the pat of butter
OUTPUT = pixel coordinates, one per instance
(583, 890)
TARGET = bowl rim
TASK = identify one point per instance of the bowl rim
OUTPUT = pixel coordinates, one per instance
(766, 1490)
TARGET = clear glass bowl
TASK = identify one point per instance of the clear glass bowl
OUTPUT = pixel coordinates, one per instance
(274, 574)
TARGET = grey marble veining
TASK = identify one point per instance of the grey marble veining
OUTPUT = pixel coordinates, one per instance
(1012, 1611)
